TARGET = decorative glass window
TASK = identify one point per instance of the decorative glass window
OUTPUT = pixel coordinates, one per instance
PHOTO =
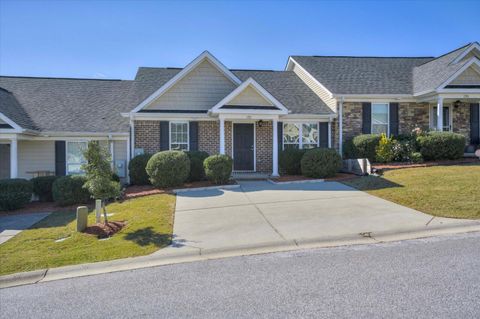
(291, 135)
(179, 136)
(300, 135)
(75, 157)
(310, 135)
(380, 118)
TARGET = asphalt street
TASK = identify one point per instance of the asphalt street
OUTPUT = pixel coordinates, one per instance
(428, 278)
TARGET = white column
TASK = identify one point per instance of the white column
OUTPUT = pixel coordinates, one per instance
(329, 133)
(275, 148)
(222, 136)
(13, 158)
(440, 114)
(340, 126)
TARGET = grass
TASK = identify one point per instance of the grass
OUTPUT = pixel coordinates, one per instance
(445, 191)
(149, 228)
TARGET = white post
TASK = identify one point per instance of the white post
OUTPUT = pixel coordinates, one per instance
(329, 133)
(222, 136)
(340, 127)
(98, 207)
(440, 114)
(13, 158)
(275, 148)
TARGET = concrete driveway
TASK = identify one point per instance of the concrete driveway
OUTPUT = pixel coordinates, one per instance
(259, 213)
(12, 225)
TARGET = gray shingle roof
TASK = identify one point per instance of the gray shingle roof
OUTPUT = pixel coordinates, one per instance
(12, 109)
(362, 75)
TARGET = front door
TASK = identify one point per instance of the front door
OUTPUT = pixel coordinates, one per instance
(243, 147)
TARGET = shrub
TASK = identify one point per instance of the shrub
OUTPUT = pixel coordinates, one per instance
(197, 172)
(168, 168)
(320, 163)
(42, 186)
(416, 157)
(362, 146)
(137, 170)
(68, 190)
(385, 149)
(14, 193)
(289, 160)
(115, 177)
(441, 145)
(218, 168)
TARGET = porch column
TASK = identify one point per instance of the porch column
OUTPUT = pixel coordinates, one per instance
(440, 114)
(13, 158)
(222, 136)
(329, 133)
(275, 148)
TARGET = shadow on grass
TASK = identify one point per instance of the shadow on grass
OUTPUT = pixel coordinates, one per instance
(368, 183)
(56, 219)
(147, 236)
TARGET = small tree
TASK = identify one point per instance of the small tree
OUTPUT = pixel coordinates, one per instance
(99, 175)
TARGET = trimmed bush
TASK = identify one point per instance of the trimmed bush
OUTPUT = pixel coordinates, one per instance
(218, 168)
(289, 161)
(14, 193)
(321, 163)
(69, 190)
(385, 149)
(416, 157)
(168, 168)
(42, 186)
(441, 145)
(362, 146)
(197, 172)
(137, 170)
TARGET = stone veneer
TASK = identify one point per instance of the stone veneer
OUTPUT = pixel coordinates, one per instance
(352, 120)
(461, 120)
(412, 116)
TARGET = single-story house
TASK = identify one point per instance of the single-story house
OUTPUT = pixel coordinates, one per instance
(317, 101)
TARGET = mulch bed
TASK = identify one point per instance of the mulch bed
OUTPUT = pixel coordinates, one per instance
(401, 165)
(102, 230)
(294, 178)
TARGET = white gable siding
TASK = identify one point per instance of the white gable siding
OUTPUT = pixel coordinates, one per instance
(471, 54)
(35, 156)
(250, 96)
(469, 76)
(2, 122)
(201, 89)
(321, 92)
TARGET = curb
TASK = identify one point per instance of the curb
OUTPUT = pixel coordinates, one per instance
(167, 256)
(184, 190)
(307, 181)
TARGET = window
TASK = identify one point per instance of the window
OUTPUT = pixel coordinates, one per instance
(446, 118)
(380, 118)
(179, 136)
(75, 157)
(300, 135)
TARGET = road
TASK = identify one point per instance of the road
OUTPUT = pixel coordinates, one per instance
(428, 278)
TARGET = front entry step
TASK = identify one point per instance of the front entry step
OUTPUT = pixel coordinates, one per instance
(250, 176)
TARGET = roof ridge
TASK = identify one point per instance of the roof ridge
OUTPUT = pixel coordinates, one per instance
(257, 70)
(367, 57)
(58, 78)
(441, 56)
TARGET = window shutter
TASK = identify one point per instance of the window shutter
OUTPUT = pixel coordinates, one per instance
(323, 131)
(393, 119)
(193, 136)
(280, 136)
(60, 158)
(164, 135)
(366, 118)
(474, 123)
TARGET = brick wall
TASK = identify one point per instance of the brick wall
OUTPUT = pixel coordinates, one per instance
(264, 146)
(209, 137)
(147, 136)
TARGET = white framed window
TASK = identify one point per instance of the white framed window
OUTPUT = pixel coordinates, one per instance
(74, 157)
(300, 135)
(380, 116)
(447, 118)
(179, 140)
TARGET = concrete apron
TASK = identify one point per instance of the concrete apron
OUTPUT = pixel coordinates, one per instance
(260, 217)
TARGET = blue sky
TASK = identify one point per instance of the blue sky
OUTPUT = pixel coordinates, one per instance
(110, 39)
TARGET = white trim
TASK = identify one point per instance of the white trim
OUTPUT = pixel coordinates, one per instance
(186, 70)
(16, 128)
(275, 148)
(457, 73)
(300, 133)
(388, 116)
(260, 90)
(472, 47)
(431, 113)
(340, 126)
(329, 134)
(170, 134)
(254, 123)
(289, 68)
(222, 136)
(13, 157)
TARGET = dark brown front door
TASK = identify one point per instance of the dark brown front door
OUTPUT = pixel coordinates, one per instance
(243, 147)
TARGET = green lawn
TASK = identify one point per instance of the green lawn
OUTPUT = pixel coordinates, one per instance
(446, 191)
(149, 227)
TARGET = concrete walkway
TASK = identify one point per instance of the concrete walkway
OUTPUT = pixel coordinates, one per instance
(259, 213)
(11, 225)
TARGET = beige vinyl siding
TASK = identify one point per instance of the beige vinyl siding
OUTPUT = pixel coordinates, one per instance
(315, 87)
(469, 76)
(120, 150)
(250, 96)
(35, 156)
(201, 89)
(471, 54)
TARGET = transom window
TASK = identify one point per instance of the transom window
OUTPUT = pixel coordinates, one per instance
(75, 157)
(179, 136)
(380, 118)
(300, 135)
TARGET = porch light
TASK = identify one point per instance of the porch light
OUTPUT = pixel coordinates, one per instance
(457, 103)
(260, 123)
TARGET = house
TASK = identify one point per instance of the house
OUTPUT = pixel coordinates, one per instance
(317, 101)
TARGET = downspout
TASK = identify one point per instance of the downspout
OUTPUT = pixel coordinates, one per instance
(340, 126)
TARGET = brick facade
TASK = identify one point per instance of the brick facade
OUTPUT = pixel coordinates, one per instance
(209, 137)
(264, 146)
(147, 136)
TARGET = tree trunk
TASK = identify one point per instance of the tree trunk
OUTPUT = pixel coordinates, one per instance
(104, 212)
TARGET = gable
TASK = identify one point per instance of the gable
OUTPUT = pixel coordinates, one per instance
(470, 76)
(474, 53)
(250, 97)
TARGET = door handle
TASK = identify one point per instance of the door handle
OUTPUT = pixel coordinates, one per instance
(251, 148)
